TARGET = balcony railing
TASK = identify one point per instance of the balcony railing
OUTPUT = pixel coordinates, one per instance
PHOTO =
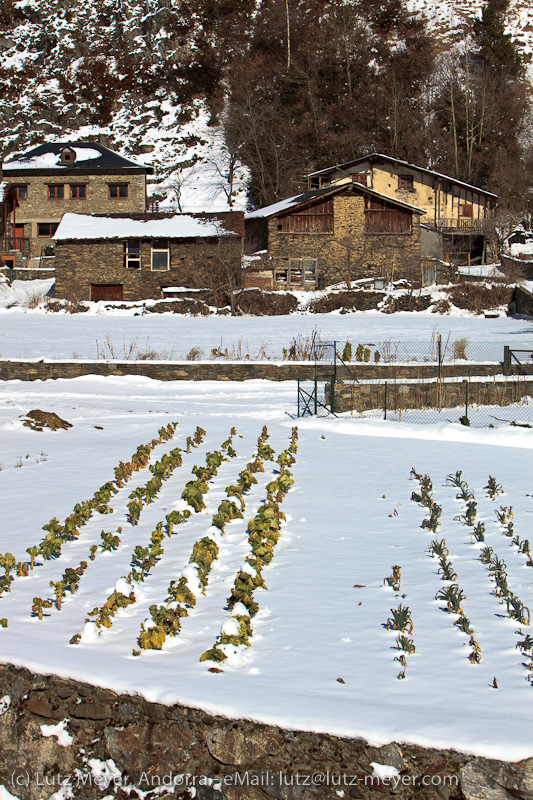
(10, 243)
(458, 225)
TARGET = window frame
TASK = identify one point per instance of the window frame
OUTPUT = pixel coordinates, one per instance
(78, 186)
(131, 257)
(154, 250)
(49, 235)
(118, 187)
(408, 180)
(53, 189)
(17, 187)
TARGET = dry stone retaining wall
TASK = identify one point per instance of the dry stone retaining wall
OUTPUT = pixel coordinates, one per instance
(151, 743)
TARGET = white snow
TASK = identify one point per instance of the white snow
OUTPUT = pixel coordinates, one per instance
(85, 226)
(350, 475)
(60, 731)
(5, 702)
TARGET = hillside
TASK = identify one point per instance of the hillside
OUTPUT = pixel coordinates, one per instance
(149, 76)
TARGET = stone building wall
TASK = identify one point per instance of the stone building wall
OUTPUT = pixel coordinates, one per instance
(193, 263)
(350, 249)
(39, 208)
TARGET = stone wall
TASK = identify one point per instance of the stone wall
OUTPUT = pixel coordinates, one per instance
(151, 743)
(194, 263)
(45, 369)
(350, 249)
(26, 274)
(438, 394)
(523, 300)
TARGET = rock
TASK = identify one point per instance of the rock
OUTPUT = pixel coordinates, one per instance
(391, 755)
(482, 779)
(236, 746)
(91, 711)
(42, 708)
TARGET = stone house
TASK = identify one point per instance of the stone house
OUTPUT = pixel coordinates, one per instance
(146, 256)
(459, 217)
(80, 177)
(8, 206)
(330, 235)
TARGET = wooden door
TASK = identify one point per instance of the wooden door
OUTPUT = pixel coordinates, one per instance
(106, 291)
(18, 236)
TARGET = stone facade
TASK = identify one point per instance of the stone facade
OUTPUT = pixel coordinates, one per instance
(194, 263)
(37, 208)
(350, 249)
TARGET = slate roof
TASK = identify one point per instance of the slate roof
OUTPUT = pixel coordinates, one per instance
(89, 156)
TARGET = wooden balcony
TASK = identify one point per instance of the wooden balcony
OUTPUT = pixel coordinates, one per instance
(10, 243)
(462, 225)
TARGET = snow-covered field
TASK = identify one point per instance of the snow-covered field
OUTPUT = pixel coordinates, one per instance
(127, 333)
(349, 519)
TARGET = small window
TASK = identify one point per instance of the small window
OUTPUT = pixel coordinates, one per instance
(466, 210)
(21, 191)
(405, 182)
(360, 177)
(160, 255)
(78, 191)
(132, 254)
(46, 228)
(56, 191)
(68, 156)
(118, 190)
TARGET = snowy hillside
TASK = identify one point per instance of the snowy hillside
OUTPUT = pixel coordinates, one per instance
(449, 20)
(147, 76)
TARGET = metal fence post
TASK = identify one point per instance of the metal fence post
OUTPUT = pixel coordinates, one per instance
(385, 401)
(439, 355)
(467, 421)
(332, 395)
(506, 359)
(316, 397)
(298, 382)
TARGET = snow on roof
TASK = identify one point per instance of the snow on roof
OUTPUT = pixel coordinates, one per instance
(307, 197)
(399, 161)
(85, 226)
(91, 155)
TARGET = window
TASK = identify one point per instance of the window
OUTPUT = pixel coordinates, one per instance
(21, 191)
(78, 191)
(466, 210)
(160, 255)
(46, 228)
(56, 191)
(118, 190)
(68, 156)
(132, 254)
(300, 272)
(360, 177)
(405, 182)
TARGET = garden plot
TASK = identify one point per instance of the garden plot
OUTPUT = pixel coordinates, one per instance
(358, 577)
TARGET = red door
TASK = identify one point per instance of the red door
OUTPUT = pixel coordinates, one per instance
(18, 236)
(106, 291)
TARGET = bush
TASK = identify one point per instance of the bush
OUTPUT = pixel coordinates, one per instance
(265, 304)
(347, 301)
(478, 297)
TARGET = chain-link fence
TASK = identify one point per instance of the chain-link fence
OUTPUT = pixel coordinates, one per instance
(483, 384)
